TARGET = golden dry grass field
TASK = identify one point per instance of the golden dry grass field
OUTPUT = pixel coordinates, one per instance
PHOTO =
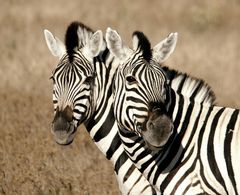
(30, 161)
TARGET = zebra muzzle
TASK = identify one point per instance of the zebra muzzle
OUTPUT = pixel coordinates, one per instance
(63, 127)
(158, 129)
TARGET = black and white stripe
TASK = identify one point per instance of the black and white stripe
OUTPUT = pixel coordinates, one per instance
(201, 156)
(86, 87)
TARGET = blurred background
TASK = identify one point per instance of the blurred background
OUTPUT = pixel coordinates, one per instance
(30, 161)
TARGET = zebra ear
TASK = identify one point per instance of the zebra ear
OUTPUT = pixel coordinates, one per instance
(135, 42)
(115, 44)
(94, 45)
(164, 49)
(56, 46)
(96, 42)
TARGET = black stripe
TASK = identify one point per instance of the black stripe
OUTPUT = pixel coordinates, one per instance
(120, 161)
(211, 153)
(196, 91)
(192, 185)
(227, 148)
(134, 184)
(182, 132)
(199, 148)
(188, 115)
(140, 156)
(141, 145)
(99, 70)
(146, 187)
(180, 86)
(133, 136)
(177, 141)
(129, 172)
(105, 128)
(171, 102)
(147, 164)
(186, 173)
(116, 142)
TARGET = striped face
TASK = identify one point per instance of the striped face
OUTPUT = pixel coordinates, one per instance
(73, 79)
(140, 95)
(141, 92)
(72, 96)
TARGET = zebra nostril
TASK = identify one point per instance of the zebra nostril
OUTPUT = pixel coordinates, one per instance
(150, 125)
(68, 113)
(139, 128)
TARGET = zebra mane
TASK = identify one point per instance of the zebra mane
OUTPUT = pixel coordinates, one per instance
(76, 36)
(144, 45)
(195, 89)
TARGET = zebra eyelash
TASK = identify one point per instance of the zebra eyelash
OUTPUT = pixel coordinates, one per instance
(130, 79)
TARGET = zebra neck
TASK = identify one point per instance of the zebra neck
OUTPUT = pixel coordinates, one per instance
(193, 88)
(102, 125)
(200, 147)
(205, 134)
(157, 166)
(105, 69)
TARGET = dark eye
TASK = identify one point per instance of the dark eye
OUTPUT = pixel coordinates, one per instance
(131, 80)
(89, 79)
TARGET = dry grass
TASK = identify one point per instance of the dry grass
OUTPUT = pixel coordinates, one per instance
(30, 161)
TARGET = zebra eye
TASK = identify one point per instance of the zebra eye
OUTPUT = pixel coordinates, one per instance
(89, 79)
(131, 80)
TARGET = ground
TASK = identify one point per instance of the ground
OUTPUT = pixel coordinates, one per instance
(30, 161)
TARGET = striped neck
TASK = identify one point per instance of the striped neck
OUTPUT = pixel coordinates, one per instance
(157, 166)
(101, 120)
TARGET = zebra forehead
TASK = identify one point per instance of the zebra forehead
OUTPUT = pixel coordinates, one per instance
(150, 70)
(76, 68)
(158, 71)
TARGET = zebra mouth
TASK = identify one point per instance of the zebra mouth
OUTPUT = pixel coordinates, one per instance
(64, 136)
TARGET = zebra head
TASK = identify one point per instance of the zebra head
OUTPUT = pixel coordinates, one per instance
(73, 78)
(141, 87)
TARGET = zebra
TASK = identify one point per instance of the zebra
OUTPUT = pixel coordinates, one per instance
(182, 146)
(82, 93)
(99, 119)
